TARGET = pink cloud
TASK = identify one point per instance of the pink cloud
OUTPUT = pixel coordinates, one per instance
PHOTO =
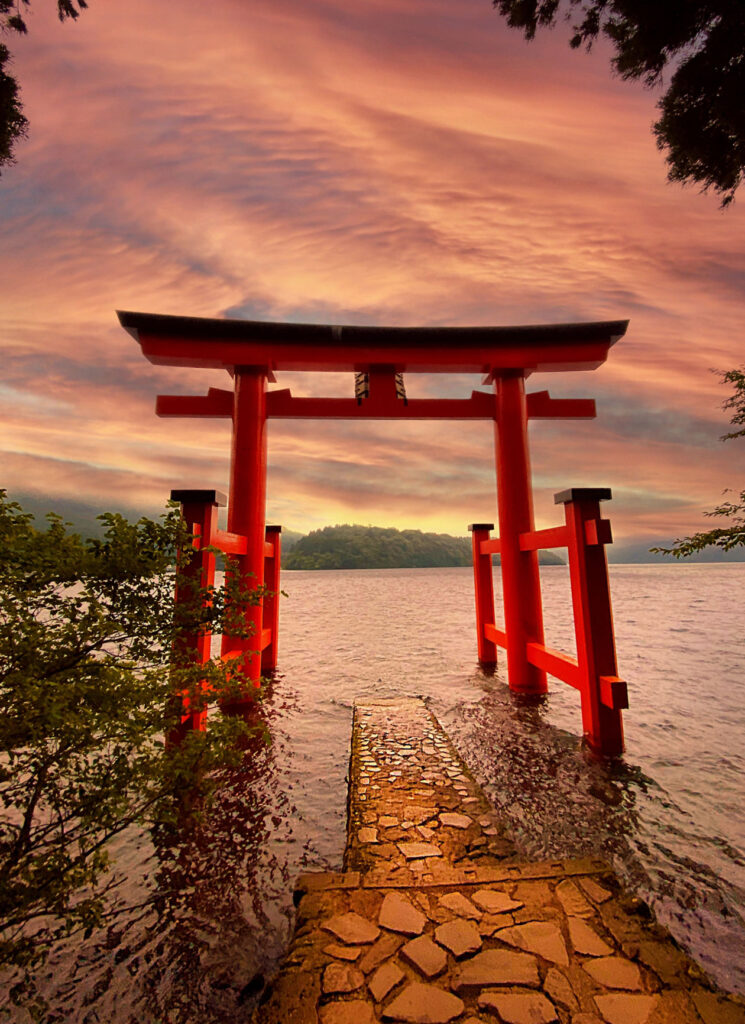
(382, 163)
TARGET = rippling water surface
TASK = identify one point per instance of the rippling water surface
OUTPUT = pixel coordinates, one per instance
(214, 906)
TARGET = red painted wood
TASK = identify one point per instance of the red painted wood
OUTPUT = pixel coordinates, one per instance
(282, 405)
(554, 537)
(484, 591)
(542, 406)
(613, 692)
(246, 511)
(496, 635)
(598, 531)
(217, 403)
(593, 623)
(194, 341)
(196, 570)
(523, 614)
(230, 543)
(483, 358)
(252, 350)
(555, 663)
(270, 619)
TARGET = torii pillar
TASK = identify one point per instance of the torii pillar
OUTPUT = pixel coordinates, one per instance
(247, 507)
(523, 610)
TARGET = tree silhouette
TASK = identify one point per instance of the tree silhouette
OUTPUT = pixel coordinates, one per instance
(732, 535)
(701, 126)
(13, 124)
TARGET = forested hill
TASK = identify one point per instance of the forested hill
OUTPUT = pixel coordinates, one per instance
(375, 547)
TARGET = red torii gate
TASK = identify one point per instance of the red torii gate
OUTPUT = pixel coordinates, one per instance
(251, 351)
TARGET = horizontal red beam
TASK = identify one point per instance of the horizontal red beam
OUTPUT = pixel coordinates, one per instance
(554, 537)
(230, 543)
(230, 655)
(474, 358)
(491, 547)
(282, 405)
(266, 638)
(496, 635)
(216, 403)
(542, 407)
(555, 663)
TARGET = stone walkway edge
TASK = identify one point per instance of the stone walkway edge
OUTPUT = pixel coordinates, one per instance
(436, 919)
(476, 876)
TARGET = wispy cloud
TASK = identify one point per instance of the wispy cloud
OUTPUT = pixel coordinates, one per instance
(385, 162)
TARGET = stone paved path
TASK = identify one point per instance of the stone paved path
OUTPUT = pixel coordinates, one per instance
(434, 919)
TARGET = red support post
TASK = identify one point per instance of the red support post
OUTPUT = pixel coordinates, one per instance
(246, 512)
(484, 589)
(603, 693)
(196, 570)
(270, 620)
(523, 613)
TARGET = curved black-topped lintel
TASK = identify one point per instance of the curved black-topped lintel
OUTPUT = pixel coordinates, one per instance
(209, 328)
(216, 342)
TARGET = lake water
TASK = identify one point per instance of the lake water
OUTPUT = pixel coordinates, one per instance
(215, 908)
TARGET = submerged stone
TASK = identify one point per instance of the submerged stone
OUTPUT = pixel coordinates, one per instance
(460, 905)
(424, 1004)
(614, 972)
(541, 937)
(454, 820)
(398, 915)
(461, 937)
(586, 940)
(520, 1007)
(384, 981)
(341, 978)
(428, 958)
(625, 1009)
(496, 967)
(415, 851)
(352, 929)
(495, 902)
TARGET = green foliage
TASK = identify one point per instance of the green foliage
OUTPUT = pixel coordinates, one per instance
(732, 535)
(702, 116)
(86, 691)
(375, 547)
(13, 124)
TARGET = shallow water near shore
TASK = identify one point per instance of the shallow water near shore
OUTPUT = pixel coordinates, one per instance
(215, 907)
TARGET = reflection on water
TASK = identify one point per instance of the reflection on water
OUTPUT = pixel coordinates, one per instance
(212, 915)
(560, 801)
(210, 905)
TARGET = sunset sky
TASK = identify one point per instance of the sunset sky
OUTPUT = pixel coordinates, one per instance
(384, 162)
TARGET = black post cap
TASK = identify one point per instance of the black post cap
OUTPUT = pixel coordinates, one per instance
(582, 494)
(187, 497)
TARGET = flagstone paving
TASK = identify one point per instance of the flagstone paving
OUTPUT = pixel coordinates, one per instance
(435, 918)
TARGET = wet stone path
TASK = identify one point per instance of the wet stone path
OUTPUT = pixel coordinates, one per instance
(435, 918)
